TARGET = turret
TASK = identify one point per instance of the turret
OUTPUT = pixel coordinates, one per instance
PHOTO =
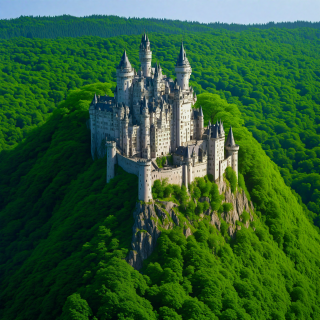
(145, 56)
(111, 159)
(232, 151)
(145, 180)
(157, 80)
(145, 130)
(125, 74)
(183, 69)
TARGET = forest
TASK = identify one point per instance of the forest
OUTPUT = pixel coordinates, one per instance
(272, 75)
(65, 233)
(112, 26)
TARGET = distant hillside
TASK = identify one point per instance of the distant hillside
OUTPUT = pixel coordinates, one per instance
(111, 26)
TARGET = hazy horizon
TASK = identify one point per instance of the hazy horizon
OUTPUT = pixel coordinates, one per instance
(205, 11)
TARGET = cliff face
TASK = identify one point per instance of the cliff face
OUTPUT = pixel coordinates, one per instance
(150, 219)
(239, 202)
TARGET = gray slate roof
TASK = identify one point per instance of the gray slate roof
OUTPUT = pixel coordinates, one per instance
(230, 140)
(182, 57)
(124, 63)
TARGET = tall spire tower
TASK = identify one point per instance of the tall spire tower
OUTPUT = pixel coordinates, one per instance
(183, 69)
(125, 74)
(145, 56)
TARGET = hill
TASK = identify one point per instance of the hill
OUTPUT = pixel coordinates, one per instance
(64, 234)
(272, 75)
(112, 26)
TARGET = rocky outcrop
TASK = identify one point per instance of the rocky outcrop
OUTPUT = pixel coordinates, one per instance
(239, 203)
(149, 220)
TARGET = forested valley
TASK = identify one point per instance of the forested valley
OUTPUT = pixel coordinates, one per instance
(65, 233)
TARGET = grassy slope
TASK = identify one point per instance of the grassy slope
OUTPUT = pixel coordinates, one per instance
(64, 230)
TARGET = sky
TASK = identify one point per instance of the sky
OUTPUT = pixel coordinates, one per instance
(236, 11)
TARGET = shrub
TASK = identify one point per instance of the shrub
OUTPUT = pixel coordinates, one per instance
(232, 178)
(245, 216)
(242, 185)
(227, 207)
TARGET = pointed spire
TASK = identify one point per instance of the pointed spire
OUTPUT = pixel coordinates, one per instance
(124, 63)
(95, 99)
(193, 152)
(182, 57)
(221, 127)
(209, 124)
(201, 113)
(230, 140)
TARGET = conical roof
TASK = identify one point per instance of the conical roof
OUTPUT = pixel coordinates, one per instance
(230, 140)
(124, 63)
(221, 127)
(200, 112)
(95, 99)
(182, 57)
(145, 38)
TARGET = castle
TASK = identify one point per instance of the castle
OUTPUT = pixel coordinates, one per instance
(151, 116)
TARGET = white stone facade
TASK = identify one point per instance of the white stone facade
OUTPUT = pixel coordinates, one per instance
(152, 116)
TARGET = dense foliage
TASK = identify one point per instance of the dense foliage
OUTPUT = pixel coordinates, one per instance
(64, 234)
(111, 26)
(272, 75)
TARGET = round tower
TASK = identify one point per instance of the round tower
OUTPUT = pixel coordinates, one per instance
(111, 159)
(232, 151)
(183, 69)
(145, 180)
(125, 75)
(145, 56)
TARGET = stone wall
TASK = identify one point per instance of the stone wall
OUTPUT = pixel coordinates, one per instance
(173, 175)
(199, 170)
(129, 165)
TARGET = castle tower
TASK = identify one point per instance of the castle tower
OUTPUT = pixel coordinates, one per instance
(145, 180)
(111, 159)
(183, 69)
(189, 165)
(216, 152)
(145, 130)
(201, 124)
(157, 80)
(125, 75)
(145, 56)
(232, 150)
(125, 135)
